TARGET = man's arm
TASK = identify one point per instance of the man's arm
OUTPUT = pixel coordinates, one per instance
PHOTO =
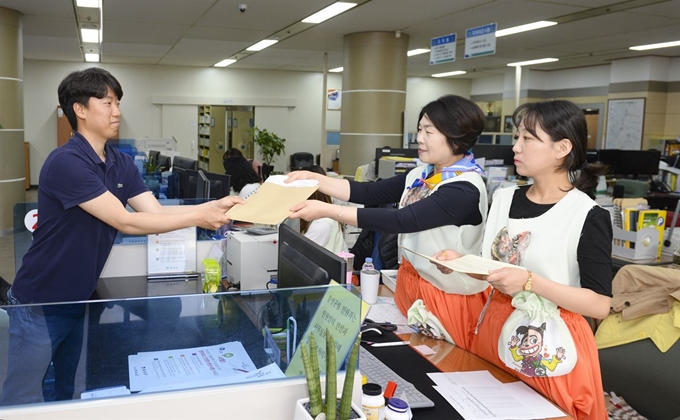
(151, 217)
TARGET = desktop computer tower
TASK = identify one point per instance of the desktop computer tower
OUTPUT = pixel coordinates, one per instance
(252, 260)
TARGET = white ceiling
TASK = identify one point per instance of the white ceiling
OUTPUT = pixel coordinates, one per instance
(203, 32)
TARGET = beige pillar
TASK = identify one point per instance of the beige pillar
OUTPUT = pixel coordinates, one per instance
(373, 96)
(12, 176)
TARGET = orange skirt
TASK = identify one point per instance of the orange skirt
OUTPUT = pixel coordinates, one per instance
(457, 313)
(579, 392)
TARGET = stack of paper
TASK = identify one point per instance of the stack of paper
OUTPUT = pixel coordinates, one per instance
(478, 395)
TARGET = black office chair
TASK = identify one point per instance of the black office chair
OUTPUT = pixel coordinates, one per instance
(301, 160)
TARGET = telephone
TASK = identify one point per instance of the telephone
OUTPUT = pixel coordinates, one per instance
(659, 186)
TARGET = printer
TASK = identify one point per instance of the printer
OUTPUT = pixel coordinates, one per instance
(252, 260)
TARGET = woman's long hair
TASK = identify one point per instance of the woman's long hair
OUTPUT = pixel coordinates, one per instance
(241, 172)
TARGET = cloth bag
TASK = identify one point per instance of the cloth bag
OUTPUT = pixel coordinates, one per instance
(426, 322)
(534, 340)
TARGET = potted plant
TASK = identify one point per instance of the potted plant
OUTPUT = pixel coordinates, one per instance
(152, 175)
(271, 146)
(315, 407)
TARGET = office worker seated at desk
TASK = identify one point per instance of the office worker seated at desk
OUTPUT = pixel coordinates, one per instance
(83, 189)
(560, 235)
(244, 180)
(325, 231)
(441, 203)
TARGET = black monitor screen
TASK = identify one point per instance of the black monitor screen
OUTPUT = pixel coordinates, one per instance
(302, 262)
(154, 155)
(631, 162)
(185, 163)
(164, 163)
(494, 152)
(194, 184)
(219, 184)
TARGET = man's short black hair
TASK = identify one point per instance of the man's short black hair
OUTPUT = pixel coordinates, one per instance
(80, 86)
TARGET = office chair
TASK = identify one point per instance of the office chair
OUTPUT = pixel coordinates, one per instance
(300, 160)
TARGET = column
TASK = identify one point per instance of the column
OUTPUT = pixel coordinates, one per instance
(373, 96)
(11, 117)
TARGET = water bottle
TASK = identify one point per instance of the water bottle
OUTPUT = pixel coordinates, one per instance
(368, 264)
(369, 281)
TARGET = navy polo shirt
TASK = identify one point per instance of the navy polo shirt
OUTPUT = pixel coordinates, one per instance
(70, 246)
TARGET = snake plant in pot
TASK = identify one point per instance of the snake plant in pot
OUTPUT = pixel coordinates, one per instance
(340, 407)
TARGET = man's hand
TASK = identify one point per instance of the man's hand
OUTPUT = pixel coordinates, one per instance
(213, 216)
(311, 210)
(228, 202)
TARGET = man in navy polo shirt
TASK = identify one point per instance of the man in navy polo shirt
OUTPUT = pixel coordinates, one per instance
(84, 187)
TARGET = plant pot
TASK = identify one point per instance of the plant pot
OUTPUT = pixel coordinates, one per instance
(152, 180)
(302, 413)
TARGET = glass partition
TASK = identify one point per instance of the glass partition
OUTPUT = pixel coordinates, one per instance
(127, 347)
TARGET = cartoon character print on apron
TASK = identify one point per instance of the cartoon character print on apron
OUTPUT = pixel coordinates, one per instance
(534, 340)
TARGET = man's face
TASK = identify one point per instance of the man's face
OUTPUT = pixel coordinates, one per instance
(101, 117)
(531, 344)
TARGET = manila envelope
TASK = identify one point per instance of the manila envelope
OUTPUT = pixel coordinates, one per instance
(270, 204)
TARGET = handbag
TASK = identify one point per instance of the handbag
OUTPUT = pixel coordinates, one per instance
(534, 340)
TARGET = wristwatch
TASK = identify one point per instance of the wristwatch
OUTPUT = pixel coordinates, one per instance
(528, 285)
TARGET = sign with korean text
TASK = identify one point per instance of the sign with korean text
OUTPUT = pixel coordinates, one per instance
(339, 311)
(443, 49)
(480, 41)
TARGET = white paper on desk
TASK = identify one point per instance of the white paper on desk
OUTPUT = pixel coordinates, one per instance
(280, 180)
(468, 264)
(266, 373)
(485, 402)
(386, 311)
(542, 407)
(162, 368)
(477, 377)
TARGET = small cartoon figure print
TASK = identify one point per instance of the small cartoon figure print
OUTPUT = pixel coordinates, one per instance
(527, 350)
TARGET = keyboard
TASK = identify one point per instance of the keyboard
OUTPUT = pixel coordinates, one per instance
(262, 230)
(378, 373)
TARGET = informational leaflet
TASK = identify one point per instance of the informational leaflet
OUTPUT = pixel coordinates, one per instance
(172, 252)
(163, 368)
(468, 264)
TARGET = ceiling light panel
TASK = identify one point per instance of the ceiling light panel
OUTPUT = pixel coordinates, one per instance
(656, 46)
(262, 45)
(417, 51)
(329, 12)
(225, 63)
(532, 62)
(87, 3)
(524, 28)
(450, 73)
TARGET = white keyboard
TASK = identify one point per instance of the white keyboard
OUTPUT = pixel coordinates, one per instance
(378, 373)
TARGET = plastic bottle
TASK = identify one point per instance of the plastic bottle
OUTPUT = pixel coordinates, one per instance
(373, 402)
(397, 409)
(368, 264)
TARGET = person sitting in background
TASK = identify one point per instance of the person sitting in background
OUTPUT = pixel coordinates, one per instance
(244, 180)
(234, 152)
(325, 231)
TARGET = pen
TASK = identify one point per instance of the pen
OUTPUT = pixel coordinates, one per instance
(391, 343)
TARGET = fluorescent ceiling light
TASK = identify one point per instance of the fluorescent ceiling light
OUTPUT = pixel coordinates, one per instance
(655, 46)
(523, 28)
(451, 73)
(530, 62)
(226, 62)
(90, 36)
(417, 51)
(87, 3)
(330, 11)
(262, 45)
(92, 57)
(336, 70)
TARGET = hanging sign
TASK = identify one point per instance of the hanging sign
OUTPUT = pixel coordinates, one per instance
(443, 49)
(480, 41)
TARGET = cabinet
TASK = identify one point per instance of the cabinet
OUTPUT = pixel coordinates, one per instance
(27, 167)
(211, 137)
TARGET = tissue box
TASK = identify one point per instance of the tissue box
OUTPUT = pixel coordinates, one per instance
(389, 279)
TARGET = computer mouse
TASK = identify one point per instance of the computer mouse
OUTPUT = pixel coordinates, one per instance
(370, 331)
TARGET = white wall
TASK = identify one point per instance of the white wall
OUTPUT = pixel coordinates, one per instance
(176, 90)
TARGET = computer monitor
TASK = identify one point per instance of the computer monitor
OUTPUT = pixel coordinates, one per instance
(632, 163)
(494, 152)
(154, 155)
(592, 155)
(197, 185)
(184, 163)
(219, 184)
(391, 151)
(303, 262)
(164, 162)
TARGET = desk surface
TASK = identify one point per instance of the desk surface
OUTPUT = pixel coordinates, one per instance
(450, 358)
